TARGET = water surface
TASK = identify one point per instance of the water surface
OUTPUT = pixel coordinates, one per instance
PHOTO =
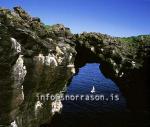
(82, 83)
(96, 113)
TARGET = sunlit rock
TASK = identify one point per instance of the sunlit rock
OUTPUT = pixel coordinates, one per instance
(50, 59)
(38, 106)
(13, 124)
(38, 58)
(16, 45)
(19, 72)
(56, 106)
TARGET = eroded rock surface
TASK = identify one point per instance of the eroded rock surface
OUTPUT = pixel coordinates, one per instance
(37, 59)
(124, 60)
(33, 60)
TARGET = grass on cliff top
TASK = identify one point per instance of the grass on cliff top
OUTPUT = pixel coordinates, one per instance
(48, 27)
(134, 39)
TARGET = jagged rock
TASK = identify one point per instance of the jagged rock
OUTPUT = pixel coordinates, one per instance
(124, 60)
(30, 63)
(112, 48)
(37, 58)
(36, 19)
(22, 13)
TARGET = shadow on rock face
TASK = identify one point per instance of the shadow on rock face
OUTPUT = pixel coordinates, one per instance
(133, 82)
(36, 58)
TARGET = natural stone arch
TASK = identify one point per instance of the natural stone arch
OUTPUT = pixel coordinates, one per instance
(116, 64)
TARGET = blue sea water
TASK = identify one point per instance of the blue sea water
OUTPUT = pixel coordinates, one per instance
(82, 83)
(96, 113)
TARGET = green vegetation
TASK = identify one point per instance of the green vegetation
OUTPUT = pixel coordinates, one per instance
(140, 38)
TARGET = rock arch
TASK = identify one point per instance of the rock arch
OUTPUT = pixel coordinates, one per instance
(119, 63)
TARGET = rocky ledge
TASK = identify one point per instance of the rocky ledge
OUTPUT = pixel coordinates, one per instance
(37, 59)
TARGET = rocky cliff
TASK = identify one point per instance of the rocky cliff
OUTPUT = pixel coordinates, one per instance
(37, 59)
(33, 59)
(124, 60)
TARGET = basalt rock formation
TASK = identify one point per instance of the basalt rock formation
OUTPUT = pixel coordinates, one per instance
(124, 60)
(37, 59)
(33, 60)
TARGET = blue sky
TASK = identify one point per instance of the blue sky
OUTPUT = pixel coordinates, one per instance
(113, 17)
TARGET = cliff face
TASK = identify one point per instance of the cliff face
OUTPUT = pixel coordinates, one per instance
(33, 60)
(37, 59)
